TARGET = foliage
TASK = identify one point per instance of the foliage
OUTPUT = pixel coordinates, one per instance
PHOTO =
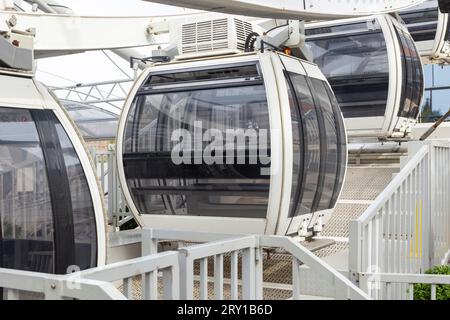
(129, 225)
(428, 114)
(423, 291)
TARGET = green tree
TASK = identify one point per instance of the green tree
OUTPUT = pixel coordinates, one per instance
(423, 291)
(427, 114)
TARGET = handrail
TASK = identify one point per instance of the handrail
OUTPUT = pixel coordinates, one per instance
(55, 287)
(344, 288)
(376, 205)
(405, 230)
(370, 280)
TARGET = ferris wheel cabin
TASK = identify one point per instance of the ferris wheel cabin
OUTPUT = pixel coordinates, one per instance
(244, 143)
(375, 71)
(430, 30)
(51, 210)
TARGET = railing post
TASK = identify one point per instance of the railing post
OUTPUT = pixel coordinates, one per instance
(248, 274)
(234, 275)
(149, 245)
(175, 289)
(295, 279)
(150, 279)
(218, 277)
(355, 251)
(432, 204)
(170, 283)
(364, 283)
(259, 273)
(186, 275)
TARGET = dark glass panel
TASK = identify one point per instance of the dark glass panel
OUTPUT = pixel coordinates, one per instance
(341, 146)
(422, 21)
(331, 159)
(313, 140)
(182, 125)
(82, 207)
(357, 69)
(245, 71)
(298, 150)
(26, 219)
(412, 89)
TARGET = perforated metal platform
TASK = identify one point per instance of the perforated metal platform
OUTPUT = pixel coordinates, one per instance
(362, 186)
(366, 183)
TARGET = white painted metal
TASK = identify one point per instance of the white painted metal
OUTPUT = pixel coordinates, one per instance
(112, 93)
(105, 165)
(57, 34)
(406, 229)
(25, 92)
(178, 271)
(293, 9)
(385, 281)
(57, 287)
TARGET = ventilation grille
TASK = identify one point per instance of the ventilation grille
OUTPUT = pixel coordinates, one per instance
(243, 29)
(213, 35)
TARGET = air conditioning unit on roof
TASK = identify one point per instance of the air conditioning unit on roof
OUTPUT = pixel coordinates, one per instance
(212, 36)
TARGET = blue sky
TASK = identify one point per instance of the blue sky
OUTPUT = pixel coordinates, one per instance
(441, 98)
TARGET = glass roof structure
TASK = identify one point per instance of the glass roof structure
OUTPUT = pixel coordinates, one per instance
(93, 122)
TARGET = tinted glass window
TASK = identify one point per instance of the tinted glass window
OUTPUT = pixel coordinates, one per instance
(93, 122)
(312, 138)
(47, 219)
(298, 152)
(202, 152)
(331, 159)
(422, 21)
(208, 74)
(342, 28)
(412, 89)
(83, 211)
(319, 145)
(341, 146)
(26, 228)
(357, 68)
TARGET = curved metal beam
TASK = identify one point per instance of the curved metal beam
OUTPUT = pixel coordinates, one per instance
(295, 9)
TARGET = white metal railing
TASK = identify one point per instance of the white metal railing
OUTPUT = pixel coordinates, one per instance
(248, 249)
(18, 283)
(97, 283)
(406, 229)
(244, 245)
(106, 169)
(175, 269)
(387, 281)
(147, 268)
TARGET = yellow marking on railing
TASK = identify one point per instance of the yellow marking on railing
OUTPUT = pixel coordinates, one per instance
(415, 244)
(417, 230)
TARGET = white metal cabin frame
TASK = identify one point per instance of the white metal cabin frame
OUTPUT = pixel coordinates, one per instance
(276, 221)
(26, 93)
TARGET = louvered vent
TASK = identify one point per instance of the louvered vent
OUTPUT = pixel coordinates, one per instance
(243, 29)
(213, 35)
